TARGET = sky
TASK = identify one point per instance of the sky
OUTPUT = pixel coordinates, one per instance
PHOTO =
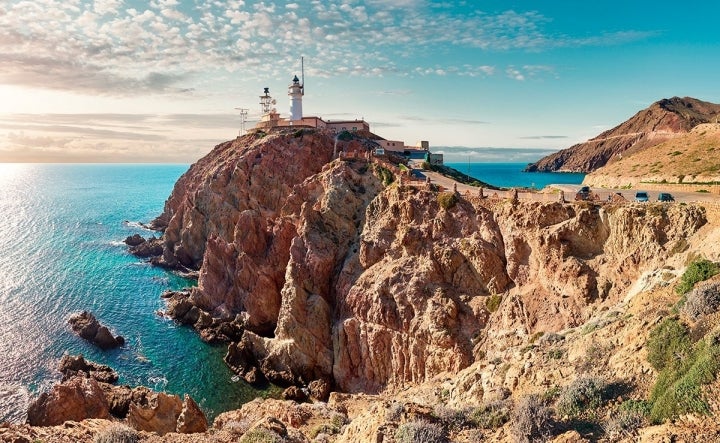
(160, 81)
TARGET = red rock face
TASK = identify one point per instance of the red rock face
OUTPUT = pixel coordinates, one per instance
(342, 281)
(75, 399)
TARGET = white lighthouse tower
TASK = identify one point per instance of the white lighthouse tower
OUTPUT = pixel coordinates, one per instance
(296, 90)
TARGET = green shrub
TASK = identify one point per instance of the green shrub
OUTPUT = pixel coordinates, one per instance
(669, 344)
(492, 303)
(696, 271)
(385, 175)
(420, 431)
(678, 391)
(585, 393)
(117, 434)
(447, 200)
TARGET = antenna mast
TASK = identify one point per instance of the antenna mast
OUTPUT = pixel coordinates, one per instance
(243, 119)
(302, 74)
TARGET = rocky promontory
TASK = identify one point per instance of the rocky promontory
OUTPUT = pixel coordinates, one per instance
(319, 273)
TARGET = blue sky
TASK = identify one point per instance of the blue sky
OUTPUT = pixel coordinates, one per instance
(124, 80)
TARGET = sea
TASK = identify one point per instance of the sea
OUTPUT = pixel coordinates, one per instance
(508, 175)
(61, 251)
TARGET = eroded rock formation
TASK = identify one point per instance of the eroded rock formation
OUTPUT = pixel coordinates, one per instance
(320, 274)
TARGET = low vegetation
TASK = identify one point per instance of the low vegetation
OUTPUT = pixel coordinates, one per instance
(117, 434)
(531, 420)
(420, 431)
(684, 367)
(385, 175)
(697, 271)
(492, 303)
(447, 200)
(582, 395)
(703, 300)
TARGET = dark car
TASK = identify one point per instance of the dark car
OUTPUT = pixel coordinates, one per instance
(583, 193)
(641, 196)
(665, 197)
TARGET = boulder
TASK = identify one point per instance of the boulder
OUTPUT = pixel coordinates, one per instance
(72, 365)
(134, 240)
(158, 413)
(294, 393)
(163, 413)
(191, 419)
(148, 248)
(319, 390)
(87, 326)
(75, 399)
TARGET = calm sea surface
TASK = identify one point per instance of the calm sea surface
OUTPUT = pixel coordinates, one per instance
(61, 228)
(509, 175)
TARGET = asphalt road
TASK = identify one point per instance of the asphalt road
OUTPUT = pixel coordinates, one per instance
(569, 190)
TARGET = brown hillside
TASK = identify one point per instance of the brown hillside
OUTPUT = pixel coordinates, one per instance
(662, 121)
(689, 158)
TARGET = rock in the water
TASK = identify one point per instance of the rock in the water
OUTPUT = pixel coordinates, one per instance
(87, 326)
(72, 365)
(134, 240)
(151, 247)
(75, 399)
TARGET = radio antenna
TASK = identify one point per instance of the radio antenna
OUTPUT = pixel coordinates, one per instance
(302, 74)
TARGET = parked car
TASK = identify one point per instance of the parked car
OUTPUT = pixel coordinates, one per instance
(583, 193)
(641, 196)
(665, 197)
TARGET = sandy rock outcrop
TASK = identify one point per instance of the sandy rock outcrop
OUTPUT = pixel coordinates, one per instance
(162, 413)
(88, 327)
(75, 399)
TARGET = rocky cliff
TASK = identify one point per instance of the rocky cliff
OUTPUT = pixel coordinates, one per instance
(443, 316)
(316, 272)
(660, 122)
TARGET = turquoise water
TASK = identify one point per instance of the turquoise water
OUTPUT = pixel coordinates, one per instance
(61, 228)
(508, 175)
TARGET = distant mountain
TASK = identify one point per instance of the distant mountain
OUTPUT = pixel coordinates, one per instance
(660, 122)
(692, 158)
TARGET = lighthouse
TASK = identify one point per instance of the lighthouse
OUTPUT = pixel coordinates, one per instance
(296, 92)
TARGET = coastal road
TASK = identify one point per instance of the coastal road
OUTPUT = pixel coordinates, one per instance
(629, 194)
(569, 190)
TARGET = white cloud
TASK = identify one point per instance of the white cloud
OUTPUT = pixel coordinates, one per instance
(103, 7)
(57, 43)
